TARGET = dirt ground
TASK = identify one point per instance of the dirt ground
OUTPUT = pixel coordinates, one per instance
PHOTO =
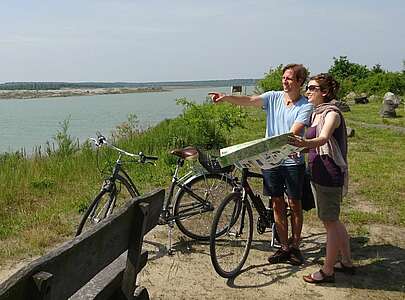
(188, 274)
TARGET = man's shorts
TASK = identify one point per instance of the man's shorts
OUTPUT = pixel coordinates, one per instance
(327, 200)
(289, 179)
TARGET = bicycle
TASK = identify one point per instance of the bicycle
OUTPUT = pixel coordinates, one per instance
(232, 227)
(107, 199)
(198, 194)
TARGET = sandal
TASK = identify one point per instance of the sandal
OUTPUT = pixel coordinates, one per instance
(340, 267)
(325, 278)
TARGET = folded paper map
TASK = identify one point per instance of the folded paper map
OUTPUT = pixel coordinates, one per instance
(265, 153)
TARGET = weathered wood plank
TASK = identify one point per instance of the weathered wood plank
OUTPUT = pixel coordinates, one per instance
(134, 250)
(75, 262)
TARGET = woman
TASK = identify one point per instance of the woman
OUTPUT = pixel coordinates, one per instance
(326, 139)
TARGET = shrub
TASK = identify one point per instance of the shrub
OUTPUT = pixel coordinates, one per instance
(207, 124)
(342, 69)
(271, 81)
(380, 83)
(65, 144)
(203, 125)
(127, 129)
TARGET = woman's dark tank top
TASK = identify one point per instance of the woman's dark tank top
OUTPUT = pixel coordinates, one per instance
(322, 168)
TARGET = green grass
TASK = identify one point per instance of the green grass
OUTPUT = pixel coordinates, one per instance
(377, 173)
(376, 168)
(369, 113)
(42, 198)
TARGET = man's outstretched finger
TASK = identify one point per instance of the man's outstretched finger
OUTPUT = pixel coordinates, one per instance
(215, 96)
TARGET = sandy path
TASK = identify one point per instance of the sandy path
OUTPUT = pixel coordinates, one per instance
(188, 274)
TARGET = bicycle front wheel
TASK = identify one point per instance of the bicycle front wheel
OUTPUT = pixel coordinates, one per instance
(230, 250)
(194, 214)
(113, 194)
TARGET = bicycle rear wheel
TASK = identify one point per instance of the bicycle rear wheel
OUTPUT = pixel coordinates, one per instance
(113, 194)
(194, 218)
(230, 250)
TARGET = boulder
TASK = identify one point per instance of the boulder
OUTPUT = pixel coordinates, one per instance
(390, 103)
(343, 106)
(361, 100)
(350, 132)
(351, 96)
(373, 98)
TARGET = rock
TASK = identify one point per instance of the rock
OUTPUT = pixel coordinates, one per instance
(361, 100)
(350, 132)
(373, 98)
(392, 98)
(390, 103)
(343, 106)
(349, 98)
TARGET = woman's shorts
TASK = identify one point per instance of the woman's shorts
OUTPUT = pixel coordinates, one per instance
(327, 200)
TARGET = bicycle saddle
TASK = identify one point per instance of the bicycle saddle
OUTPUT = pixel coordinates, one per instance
(188, 153)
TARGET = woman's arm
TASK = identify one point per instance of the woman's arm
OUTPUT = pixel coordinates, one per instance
(332, 121)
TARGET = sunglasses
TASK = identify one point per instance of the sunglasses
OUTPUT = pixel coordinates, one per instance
(312, 88)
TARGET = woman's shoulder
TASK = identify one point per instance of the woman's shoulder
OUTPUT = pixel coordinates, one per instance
(333, 117)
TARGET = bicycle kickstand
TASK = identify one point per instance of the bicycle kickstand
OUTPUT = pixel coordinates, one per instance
(273, 242)
(170, 250)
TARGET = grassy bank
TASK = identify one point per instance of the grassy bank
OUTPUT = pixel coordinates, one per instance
(42, 197)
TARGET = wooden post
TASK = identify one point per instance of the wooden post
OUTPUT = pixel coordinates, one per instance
(43, 282)
(134, 250)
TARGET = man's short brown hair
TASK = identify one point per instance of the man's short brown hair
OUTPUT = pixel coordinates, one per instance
(300, 72)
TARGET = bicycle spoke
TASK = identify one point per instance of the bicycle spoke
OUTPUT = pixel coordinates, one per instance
(194, 215)
(229, 250)
(110, 197)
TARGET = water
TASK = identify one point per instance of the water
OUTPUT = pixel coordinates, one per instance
(32, 122)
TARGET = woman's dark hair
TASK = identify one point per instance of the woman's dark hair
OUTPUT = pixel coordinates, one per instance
(300, 72)
(327, 84)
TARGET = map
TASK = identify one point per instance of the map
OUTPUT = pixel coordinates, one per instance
(265, 153)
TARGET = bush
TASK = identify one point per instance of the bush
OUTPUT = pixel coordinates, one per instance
(271, 81)
(208, 125)
(202, 125)
(127, 129)
(342, 69)
(380, 83)
(65, 144)
(360, 79)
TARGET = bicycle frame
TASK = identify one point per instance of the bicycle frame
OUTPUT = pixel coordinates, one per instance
(119, 170)
(182, 184)
(256, 200)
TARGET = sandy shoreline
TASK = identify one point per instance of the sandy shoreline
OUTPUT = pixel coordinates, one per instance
(33, 94)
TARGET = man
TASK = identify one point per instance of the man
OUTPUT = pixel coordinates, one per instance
(287, 111)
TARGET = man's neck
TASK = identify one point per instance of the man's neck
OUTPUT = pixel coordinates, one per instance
(292, 97)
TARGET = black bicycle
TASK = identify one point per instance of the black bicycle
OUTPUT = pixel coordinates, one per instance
(232, 227)
(198, 194)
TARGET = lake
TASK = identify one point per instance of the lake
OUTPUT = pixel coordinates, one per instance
(32, 122)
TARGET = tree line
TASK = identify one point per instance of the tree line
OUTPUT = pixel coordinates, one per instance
(93, 85)
(351, 76)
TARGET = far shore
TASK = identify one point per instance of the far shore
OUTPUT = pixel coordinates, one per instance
(33, 94)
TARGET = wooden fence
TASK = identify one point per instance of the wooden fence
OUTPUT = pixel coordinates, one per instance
(63, 271)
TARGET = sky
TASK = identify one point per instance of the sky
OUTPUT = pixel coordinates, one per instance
(161, 40)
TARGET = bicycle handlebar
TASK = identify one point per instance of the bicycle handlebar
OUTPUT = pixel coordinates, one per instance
(142, 158)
